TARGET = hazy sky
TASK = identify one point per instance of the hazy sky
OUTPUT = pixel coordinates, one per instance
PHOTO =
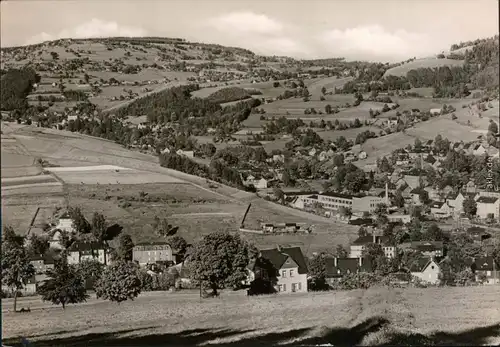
(379, 30)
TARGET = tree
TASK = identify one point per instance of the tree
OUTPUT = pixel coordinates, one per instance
(16, 266)
(279, 195)
(125, 247)
(433, 233)
(220, 260)
(341, 252)
(376, 254)
(90, 270)
(328, 109)
(99, 226)
(423, 196)
(162, 227)
(287, 181)
(493, 127)
(317, 272)
(119, 282)
(470, 207)
(323, 90)
(64, 286)
(362, 232)
(399, 200)
(54, 55)
(80, 224)
(38, 245)
(178, 244)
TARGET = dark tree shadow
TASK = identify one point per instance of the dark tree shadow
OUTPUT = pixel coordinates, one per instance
(335, 336)
(113, 231)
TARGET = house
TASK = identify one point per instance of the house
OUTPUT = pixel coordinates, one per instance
(362, 155)
(412, 181)
(415, 196)
(487, 270)
(81, 251)
(426, 269)
(435, 111)
(427, 248)
(478, 150)
(72, 118)
(458, 201)
(289, 269)
(257, 183)
(55, 241)
(358, 246)
(488, 207)
(65, 223)
(396, 217)
(470, 187)
(189, 154)
(152, 252)
(441, 209)
(478, 234)
(42, 263)
(278, 158)
(336, 268)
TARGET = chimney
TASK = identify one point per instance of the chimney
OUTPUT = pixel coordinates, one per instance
(335, 261)
(360, 261)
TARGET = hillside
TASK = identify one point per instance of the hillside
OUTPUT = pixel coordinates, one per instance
(377, 316)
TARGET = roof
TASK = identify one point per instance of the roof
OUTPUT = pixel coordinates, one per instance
(420, 264)
(427, 246)
(337, 195)
(364, 240)
(47, 259)
(346, 265)
(278, 257)
(485, 264)
(300, 193)
(157, 243)
(487, 200)
(437, 204)
(87, 246)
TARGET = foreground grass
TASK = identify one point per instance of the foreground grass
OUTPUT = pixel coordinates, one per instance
(367, 317)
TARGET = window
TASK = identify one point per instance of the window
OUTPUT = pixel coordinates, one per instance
(280, 287)
(291, 273)
(293, 287)
(284, 287)
(488, 273)
(300, 286)
(432, 267)
(283, 273)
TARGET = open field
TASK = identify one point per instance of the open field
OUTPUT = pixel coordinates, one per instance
(445, 127)
(329, 83)
(198, 212)
(431, 62)
(382, 146)
(468, 316)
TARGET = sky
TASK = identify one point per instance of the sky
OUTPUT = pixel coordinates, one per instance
(374, 30)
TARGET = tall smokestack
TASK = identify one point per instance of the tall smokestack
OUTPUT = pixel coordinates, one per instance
(374, 238)
(360, 261)
(335, 261)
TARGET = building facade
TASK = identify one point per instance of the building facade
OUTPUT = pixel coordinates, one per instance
(149, 253)
(81, 251)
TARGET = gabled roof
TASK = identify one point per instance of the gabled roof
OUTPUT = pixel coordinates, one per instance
(79, 246)
(279, 257)
(420, 264)
(485, 264)
(430, 159)
(487, 200)
(437, 204)
(346, 266)
(47, 259)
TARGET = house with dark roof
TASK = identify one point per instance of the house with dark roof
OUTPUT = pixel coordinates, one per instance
(441, 209)
(458, 201)
(286, 269)
(358, 246)
(81, 251)
(488, 207)
(486, 270)
(42, 263)
(427, 269)
(336, 268)
(427, 248)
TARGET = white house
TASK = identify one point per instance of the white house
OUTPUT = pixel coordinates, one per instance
(189, 154)
(427, 270)
(82, 251)
(479, 150)
(65, 223)
(435, 111)
(488, 207)
(441, 209)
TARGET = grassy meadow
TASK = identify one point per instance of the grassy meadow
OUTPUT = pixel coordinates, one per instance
(377, 316)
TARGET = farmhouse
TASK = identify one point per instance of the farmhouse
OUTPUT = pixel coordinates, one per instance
(441, 209)
(358, 246)
(81, 251)
(336, 268)
(152, 252)
(426, 269)
(488, 207)
(487, 269)
(289, 273)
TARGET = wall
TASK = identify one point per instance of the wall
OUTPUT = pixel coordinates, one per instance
(289, 281)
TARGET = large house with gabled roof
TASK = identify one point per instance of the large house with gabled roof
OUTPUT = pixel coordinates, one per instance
(289, 269)
(427, 269)
(336, 268)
